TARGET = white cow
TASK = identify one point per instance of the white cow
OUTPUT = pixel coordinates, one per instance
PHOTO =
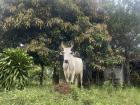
(72, 66)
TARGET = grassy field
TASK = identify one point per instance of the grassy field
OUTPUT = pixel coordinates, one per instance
(46, 95)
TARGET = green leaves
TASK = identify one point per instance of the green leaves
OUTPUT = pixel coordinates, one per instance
(23, 18)
(14, 68)
(83, 22)
(114, 60)
(124, 25)
(55, 21)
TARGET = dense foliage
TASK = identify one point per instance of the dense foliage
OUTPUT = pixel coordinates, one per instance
(15, 65)
(124, 25)
(94, 27)
(55, 21)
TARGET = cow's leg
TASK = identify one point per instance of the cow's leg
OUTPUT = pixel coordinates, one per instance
(72, 77)
(76, 80)
(81, 79)
(66, 76)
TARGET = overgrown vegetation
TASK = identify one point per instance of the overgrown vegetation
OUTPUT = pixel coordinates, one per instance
(46, 95)
(15, 65)
(41, 25)
(105, 33)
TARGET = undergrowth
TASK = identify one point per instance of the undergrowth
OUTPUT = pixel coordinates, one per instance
(47, 95)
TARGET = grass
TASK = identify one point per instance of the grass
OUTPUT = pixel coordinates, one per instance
(46, 95)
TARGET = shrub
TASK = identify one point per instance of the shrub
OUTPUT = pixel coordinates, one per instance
(34, 74)
(135, 78)
(14, 68)
(108, 86)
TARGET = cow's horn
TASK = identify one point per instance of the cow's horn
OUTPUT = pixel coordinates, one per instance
(62, 45)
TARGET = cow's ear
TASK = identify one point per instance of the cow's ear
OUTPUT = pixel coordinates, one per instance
(72, 45)
(61, 53)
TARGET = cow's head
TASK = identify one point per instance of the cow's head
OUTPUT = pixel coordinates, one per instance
(67, 52)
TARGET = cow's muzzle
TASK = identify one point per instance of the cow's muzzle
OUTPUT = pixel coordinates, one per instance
(65, 61)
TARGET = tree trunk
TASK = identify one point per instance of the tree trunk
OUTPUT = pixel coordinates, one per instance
(55, 76)
(127, 72)
(127, 69)
(41, 75)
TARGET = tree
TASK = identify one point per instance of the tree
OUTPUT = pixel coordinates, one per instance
(123, 25)
(41, 28)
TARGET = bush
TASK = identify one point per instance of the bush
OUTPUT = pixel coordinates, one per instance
(14, 68)
(34, 74)
(135, 78)
(108, 87)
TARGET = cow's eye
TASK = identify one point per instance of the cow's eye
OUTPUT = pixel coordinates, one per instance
(71, 53)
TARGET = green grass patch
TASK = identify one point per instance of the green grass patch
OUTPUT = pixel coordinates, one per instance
(46, 95)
